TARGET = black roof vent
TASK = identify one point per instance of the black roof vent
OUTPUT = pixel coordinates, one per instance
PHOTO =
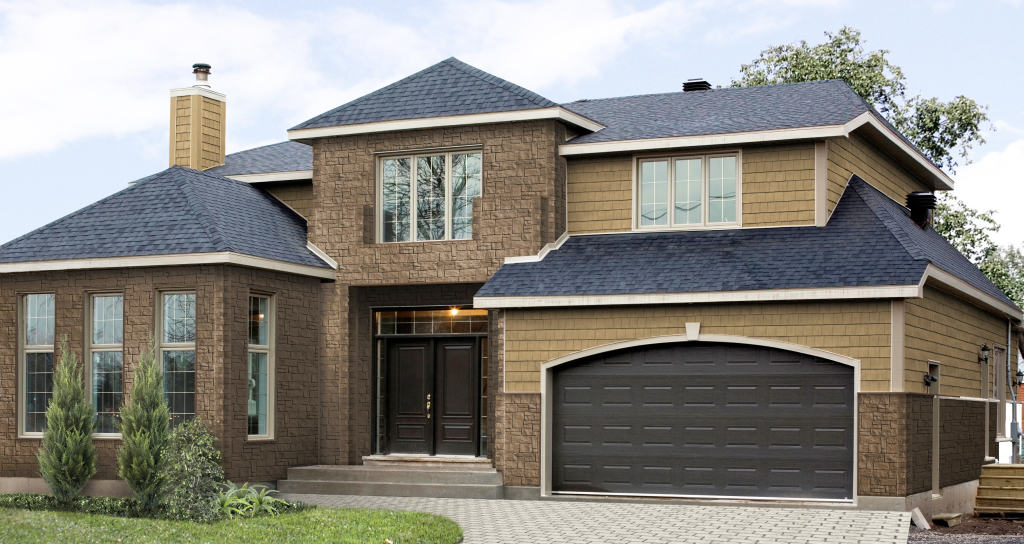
(921, 205)
(696, 84)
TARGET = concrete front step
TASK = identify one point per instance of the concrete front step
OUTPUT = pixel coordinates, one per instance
(391, 489)
(392, 474)
(454, 462)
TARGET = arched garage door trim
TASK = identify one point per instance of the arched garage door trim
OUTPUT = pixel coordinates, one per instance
(548, 368)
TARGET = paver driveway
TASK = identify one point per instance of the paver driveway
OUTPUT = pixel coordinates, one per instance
(577, 522)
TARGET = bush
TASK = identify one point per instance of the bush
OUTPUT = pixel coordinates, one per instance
(192, 473)
(67, 458)
(250, 502)
(144, 422)
(111, 506)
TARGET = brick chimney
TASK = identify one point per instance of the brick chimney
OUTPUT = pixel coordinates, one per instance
(197, 123)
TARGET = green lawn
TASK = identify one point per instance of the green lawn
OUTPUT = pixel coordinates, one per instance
(354, 526)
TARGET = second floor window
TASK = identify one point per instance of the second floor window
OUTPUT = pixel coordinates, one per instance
(429, 197)
(178, 353)
(688, 191)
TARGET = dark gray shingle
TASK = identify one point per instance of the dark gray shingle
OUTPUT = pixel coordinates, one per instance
(869, 241)
(280, 157)
(450, 87)
(720, 111)
(177, 211)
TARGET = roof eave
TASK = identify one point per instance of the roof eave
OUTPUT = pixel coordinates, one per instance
(180, 259)
(953, 282)
(265, 177)
(554, 112)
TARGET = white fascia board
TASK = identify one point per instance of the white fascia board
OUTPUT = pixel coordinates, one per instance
(323, 256)
(767, 295)
(555, 112)
(202, 91)
(182, 259)
(548, 248)
(942, 179)
(949, 280)
(291, 175)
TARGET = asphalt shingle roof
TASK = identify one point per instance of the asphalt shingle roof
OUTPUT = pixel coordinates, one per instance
(450, 87)
(720, 111)
(870, 240)
(177, 211)
(280, 157)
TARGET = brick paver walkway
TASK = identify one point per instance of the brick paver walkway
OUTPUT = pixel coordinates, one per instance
(577, 522)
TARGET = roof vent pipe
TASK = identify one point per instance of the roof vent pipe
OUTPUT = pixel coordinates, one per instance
(202, 72)
(696, 84)
(921, 206)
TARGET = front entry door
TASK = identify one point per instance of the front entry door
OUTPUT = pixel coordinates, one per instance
(433, 396)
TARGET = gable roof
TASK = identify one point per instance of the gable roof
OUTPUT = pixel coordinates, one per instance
(450, 87)
(870, 241)
(175, 212)
(720, 111)
(280, 157)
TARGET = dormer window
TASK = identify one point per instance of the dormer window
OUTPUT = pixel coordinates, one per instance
(428, 196)
(688, 191)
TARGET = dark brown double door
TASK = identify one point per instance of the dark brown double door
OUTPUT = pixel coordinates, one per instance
(433, 396)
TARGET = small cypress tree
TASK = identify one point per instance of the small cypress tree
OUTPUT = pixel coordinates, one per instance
(67, 458)
(144, 424)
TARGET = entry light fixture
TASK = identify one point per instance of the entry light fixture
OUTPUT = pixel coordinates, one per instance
(983, 358)
(1020, 376)
(454, 311)
(929, 379)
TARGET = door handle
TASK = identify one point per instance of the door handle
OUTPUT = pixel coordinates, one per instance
(428, 405)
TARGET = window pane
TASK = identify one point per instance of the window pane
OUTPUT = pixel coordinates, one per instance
(466, 185)
(395, 181)
(430, 206)
(180, 318)
(38, 390)
(179, 383)
(653, 193)
(106, 388)
(107, 320)
(257, 393)
(39, 320)
(722, 190)
(688, 187)
(259, 307)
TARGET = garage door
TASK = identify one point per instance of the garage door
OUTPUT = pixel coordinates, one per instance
(704, 419)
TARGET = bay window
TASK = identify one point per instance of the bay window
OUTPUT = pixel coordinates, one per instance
(688, 191)
(428, 197)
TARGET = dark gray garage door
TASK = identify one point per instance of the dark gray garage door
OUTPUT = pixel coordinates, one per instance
(704, 419)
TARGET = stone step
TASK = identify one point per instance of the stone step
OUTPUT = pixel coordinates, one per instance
(390, 489)
(429, 461)
(989, 491)
(1001, 481)
(393, 474)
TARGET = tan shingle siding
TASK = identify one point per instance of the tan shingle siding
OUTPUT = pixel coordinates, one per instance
(855, 155)
(855, 329)
(941, 327)
(599, 194)
(297, 195)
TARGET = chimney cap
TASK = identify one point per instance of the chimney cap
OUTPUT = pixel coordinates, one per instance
(921, 205)
(696, 84)
(200, 67)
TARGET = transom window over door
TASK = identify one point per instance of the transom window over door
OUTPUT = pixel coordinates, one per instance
(688, 191)
(429, 196)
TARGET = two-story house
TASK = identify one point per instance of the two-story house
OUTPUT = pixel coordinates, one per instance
(708, 293)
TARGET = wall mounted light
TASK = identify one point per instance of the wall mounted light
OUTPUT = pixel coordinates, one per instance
(454, 311)
(983, 358)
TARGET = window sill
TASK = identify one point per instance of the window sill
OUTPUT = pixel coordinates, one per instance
(33, 436)
(106, 436)
(260, 439)
(716, 226)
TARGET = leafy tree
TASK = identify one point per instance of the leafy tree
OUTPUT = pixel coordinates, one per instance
(943, 131)
(144, 424)
(68, 458)
(192, 473)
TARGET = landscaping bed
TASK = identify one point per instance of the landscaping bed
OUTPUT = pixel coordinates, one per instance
(974, 530)
(18, 525)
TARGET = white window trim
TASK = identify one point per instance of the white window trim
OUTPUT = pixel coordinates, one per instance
(94, 348)
(413, 156)
(269, 349)
(176, 346)
(24, 349)
(705, 172)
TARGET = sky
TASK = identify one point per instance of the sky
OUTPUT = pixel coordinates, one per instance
(85, 107)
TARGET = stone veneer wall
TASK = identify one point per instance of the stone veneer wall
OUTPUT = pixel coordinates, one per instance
(961, 440)
(517, 438)
(518, 212)
(221, 364)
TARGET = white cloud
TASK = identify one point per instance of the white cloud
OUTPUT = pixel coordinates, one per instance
(995, 182)
(83, 70)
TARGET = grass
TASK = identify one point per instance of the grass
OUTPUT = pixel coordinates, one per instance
(342, 525)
